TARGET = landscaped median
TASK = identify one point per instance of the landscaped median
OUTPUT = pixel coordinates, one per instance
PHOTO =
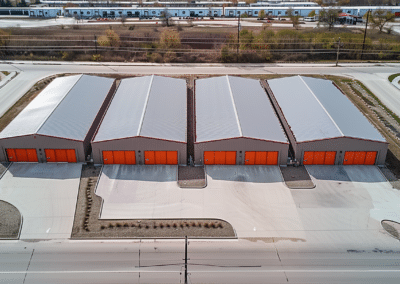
(10, 221)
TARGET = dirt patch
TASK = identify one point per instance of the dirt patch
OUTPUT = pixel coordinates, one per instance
(10, 221)
(296, 177)
(87, 224)
(191, 177)
(393, 228)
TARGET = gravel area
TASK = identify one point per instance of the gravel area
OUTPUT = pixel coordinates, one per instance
(87, 224)
(191, 177)
(296, 177)
(10, 221)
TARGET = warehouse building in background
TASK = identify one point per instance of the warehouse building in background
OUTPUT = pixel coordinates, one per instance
(144, 124)
(58, 124)
(323, 125)
(236, 124)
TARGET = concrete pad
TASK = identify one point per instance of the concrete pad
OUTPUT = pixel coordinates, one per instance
(45, 194)
(252, 198)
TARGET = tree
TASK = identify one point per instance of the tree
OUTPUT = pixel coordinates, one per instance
(4, 39)
(379, 18)
(311, 14)
(170, 39)
(294, 18)
(261, 15)
(328, 17)
(111, 38)
(166, 18)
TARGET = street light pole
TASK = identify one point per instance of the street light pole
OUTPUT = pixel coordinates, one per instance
(238, 36)
(337, 53)
(186, 270)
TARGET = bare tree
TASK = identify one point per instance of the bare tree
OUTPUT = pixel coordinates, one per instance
(379, 18)
(328, 17)
(294, 18)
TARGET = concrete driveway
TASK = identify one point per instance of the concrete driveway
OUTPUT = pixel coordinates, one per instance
(253, 198)
(45, 194)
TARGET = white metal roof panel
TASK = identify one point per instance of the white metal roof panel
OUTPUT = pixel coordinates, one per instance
(36, 113)
(166, 115)
(123, 117)
(230, 107)
(315, 109)
(257, 118)
(216, 116)
(150, 106)
(74, 116)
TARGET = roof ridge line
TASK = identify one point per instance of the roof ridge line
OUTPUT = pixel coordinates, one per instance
(145, 107)
(47, 118)
(327, 113)
(234, 107)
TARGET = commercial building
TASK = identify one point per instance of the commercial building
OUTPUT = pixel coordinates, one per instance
(323, 125)
(144, 124)
(236, 124)
(58, 124)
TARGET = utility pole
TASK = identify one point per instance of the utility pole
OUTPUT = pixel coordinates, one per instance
(238, 37)
(337, 54)
(186, 259)
(365, 34)
(95, 42)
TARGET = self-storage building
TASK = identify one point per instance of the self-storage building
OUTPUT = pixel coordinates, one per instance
(144, 124)
(323, 125)
(58, 124)
(235, 124)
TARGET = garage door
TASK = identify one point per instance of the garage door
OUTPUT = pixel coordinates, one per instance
(161, 157)
(319, 158)
(261, 158)
(360, 158)
(220, 157)
(22, 155)
(60, 155)
(119, 157)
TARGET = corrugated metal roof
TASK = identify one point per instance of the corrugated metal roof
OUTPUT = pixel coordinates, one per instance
(315, 109)
(66, 108)
(230, 107)
(150, 106)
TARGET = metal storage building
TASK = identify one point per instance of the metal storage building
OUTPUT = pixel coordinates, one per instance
(144, 124)
(58, 124)
(236, 124)
(323, 125)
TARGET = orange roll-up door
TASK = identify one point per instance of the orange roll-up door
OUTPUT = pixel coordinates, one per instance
(119, 157)
(330, 157)
(230, 158)
(220, 157)
(209, 158)
(160, 157)
(250, 158)
(32, 155)
(149, 158)
(50, 155)
(130, 158)
(261, 158)
(319, 158)
(359, 157)
(348, 158)
(272, 158)
(61, 155)
(12, 157)
(71, 156)
(172, 157)
(22, 156)
(370, 158)
(108, 157)
(308, 158)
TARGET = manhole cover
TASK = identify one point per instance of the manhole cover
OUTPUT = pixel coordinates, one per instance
(393, 228)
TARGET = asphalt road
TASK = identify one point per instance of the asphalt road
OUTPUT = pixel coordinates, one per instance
(209, 262)
(30, 72)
